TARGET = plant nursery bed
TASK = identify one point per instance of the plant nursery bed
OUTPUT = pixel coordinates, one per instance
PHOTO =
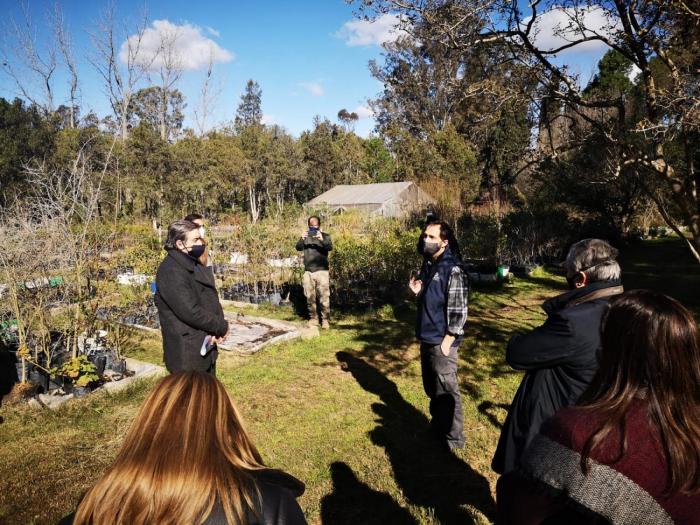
(248, 335)
(135, 370)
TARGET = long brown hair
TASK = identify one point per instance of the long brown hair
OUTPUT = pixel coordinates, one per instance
(186, 451)
(651, 350)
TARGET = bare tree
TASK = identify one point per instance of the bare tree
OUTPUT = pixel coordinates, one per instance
(65, 206)
(28, 63)
(169, 60)
(208, 95)
(65, 46)
(122, 67)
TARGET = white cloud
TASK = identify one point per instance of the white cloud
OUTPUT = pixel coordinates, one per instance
(269, 120)
(213, 32)
(314, 88)
(363, 111)
(559, 26)
(371, 33)
(192, 48)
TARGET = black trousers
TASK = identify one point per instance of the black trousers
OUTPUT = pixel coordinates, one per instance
(439, 373)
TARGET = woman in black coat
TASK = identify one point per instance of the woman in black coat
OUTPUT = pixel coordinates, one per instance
(188, 305)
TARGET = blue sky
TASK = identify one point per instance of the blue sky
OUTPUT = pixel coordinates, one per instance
(310, 57)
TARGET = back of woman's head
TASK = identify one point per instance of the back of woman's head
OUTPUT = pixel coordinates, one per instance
(651, 351)
(186, 450)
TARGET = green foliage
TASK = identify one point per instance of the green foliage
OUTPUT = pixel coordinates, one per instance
(249, 112)
(207, 174)
(25, 136)
(158, 109)
(80, 370)
(378, 162)
(612, 78)
(481, 237)
(144, 254)
(377, 262)
(451, 157)
(520, 236)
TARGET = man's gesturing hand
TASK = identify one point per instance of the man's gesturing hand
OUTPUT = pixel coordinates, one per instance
(415, 285)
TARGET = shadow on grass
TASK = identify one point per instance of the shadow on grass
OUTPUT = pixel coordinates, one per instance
(426, 472)
(488, 408)
(354, 502)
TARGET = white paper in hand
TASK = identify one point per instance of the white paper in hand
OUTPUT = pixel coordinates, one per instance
(205, 346)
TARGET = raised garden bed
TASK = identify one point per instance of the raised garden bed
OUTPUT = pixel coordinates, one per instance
(248, 335)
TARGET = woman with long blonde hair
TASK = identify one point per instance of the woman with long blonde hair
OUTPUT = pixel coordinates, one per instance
(187, 459)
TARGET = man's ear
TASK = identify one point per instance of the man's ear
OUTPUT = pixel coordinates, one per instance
(581, 279)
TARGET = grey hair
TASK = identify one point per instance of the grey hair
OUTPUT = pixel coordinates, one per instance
(594, 257)
(177, 231)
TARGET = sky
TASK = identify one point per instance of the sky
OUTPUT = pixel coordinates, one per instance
(309, 57)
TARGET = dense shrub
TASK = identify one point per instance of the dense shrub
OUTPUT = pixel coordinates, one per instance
(373, 266)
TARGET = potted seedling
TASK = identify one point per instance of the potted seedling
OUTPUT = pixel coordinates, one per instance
(82, 374)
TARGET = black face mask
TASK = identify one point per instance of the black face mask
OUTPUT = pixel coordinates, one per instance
(196, 251)
(430, 248)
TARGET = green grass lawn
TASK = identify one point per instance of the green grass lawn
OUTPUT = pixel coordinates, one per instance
(344, 412)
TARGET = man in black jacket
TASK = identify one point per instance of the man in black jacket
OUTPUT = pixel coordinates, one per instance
(560, 357)
(188, 305)
(316, 245)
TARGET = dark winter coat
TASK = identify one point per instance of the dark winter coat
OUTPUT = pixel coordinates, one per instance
(315, 252)
(189, 310)
(277, 504)
(559, 358)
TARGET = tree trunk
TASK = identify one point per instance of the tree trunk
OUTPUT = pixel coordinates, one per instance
(693, 243)
(254, 204)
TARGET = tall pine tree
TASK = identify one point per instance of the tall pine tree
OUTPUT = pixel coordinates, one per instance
(249, 112)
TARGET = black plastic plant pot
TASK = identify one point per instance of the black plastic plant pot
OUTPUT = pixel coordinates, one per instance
(40, 379)
(100, 362)
(56, 382)
(118, 366)
(81, 391)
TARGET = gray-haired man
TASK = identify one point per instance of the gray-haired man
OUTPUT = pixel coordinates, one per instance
(560, 357)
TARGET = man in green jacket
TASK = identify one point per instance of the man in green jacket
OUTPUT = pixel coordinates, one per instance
(316, 245)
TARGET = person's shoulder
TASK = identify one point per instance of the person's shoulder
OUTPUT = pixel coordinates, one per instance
(457, 269)
(571, 426)
(278, 493)
(277, 481)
